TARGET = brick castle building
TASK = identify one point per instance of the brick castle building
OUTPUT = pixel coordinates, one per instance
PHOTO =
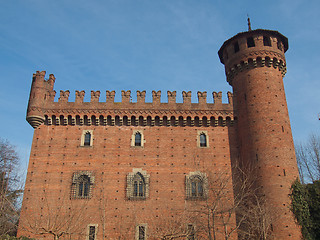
(146, 170)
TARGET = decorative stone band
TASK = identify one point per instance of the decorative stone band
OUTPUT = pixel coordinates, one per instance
(225, 119)
(254, 63)
(35, 121)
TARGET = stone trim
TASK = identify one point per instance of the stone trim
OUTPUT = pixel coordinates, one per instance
(83, 137)
(203, 178)
(254, 62)
(130, 187)
(145, 225)
(88, 231)
(74, 186)
(199, 132)
(133, 138)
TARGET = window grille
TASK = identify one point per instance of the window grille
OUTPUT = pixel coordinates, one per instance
(92, 232)
(137, 185)
(196, 186)
(82, 184)
(142, 233)
(191, 232)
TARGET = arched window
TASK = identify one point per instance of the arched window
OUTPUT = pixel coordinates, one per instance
(137, 139)
(83, 186)
(82, 183)
(196, 185)
(139, 186)
(87, 139)
(203, 140)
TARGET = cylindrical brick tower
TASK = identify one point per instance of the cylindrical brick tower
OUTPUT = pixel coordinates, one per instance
(255, 66)
(39, 94)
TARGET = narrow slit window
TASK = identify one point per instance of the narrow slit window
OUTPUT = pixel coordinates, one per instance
(279, 45)
(236, 47)
(266, 41)
(203, 140)
(191, 232)
(250, 42)
(142, 233)
(92, 233)
(87, 139)
(137, 139)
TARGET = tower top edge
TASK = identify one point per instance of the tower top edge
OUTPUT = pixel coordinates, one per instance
(250, 33)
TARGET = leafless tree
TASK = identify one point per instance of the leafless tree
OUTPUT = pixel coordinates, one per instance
(10, 188)
(61, 218)
(308, 158)
(258, 219)
(223, 203)
(182, 225)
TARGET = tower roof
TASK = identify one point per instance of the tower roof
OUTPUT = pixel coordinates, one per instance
(254, 32)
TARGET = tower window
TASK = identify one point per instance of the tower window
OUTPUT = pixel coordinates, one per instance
(137, 139)
(250, 42)
(87, 138)
(92, 232)
(266, 41)
(137, 185)
(279, 44)
(196, 185)
(236, 47)
(202, 139)
(191, 232)
(82, 184)
(141, 232)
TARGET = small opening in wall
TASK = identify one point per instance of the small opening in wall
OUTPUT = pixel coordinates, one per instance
(279, 44)
(236, 47)
(250, 42)
(284, 172)
(266, 41)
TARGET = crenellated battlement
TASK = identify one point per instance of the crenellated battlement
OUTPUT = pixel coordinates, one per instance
(46, 108)
(141, 96)
(255, 62)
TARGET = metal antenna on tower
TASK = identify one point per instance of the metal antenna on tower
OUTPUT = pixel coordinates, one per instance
(249, 23)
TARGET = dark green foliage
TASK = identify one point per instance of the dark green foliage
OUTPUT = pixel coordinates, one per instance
(306, 207)
(313, 193)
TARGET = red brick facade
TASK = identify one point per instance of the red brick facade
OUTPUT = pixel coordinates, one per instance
(168, 160)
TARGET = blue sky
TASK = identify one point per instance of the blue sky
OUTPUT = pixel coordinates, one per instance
(147, 45)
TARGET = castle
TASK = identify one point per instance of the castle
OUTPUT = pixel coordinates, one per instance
(154, 170)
